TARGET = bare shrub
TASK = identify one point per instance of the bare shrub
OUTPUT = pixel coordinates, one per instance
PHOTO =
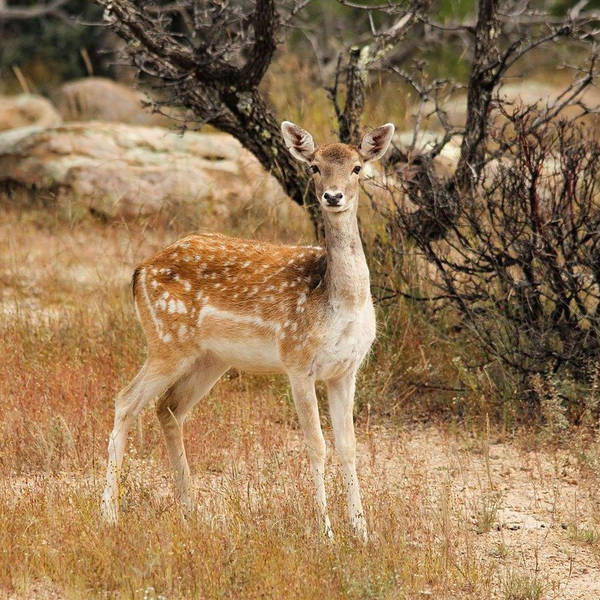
(521, 262)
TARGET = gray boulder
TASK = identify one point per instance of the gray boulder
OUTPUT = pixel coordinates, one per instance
(125, 170)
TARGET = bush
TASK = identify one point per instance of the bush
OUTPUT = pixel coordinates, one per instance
(520, 265)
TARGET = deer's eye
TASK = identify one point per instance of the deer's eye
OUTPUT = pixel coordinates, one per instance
(356, 169)
(314, 169)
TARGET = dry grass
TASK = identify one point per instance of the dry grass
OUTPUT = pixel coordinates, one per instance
(435, 498)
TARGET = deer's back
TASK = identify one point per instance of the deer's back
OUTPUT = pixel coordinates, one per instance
(251, 302)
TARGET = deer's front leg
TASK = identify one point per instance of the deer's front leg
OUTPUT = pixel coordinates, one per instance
(305, 400)
(340, 393)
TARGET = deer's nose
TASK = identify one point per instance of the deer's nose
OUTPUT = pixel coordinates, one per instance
(333, 198)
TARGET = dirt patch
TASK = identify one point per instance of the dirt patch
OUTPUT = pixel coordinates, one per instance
(450, 480)
(522, 508)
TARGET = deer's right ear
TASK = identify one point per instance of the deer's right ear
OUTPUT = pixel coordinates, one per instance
(298, 141)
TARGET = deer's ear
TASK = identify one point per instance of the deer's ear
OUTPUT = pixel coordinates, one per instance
(376, 142)
(299, 142)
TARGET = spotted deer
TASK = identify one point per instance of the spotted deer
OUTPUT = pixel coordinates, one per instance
(209, 302)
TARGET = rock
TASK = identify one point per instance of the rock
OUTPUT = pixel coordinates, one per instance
(98, 98)
(513, 520)
(426, 140)
(125, 170)
(443, 164)
(27, 109)
(518, 92)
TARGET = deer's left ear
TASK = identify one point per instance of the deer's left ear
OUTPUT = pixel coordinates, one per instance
(376, 142)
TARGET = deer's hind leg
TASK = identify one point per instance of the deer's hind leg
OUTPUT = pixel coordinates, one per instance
(152, 380)
(172, 410)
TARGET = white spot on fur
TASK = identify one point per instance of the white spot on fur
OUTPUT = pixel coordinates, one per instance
(182, 331)
(154, 283)
(155, 321)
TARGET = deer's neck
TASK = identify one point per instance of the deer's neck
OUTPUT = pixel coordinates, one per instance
(347, 275)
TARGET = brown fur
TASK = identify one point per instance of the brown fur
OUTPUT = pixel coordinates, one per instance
(256, 279)
(340, 153)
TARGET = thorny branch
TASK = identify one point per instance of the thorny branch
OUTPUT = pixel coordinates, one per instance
(359, 63)
(495, 48)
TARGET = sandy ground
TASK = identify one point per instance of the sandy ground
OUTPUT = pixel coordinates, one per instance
(534, 500)
(516, 508)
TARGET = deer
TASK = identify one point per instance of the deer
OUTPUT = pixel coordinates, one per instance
(208, 303)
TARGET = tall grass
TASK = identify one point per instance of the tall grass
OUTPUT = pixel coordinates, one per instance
(255, 534)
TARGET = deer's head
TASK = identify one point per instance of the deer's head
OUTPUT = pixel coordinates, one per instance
(336, 167)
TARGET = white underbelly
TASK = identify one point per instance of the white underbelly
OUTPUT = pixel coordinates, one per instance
(254, 354)
(245, 342)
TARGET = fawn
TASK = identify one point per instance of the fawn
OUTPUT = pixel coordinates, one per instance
(208, 303)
